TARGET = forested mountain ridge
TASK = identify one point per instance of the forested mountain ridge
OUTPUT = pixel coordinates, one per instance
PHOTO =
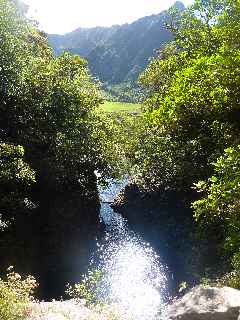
(82, 40)
(118, 53)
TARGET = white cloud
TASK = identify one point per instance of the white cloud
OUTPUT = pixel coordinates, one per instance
(61, 16)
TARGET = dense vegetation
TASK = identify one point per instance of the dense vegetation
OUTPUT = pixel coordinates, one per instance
(220, 206)
(47, 109)
(192, 115)
(16, 296)
(55, 135)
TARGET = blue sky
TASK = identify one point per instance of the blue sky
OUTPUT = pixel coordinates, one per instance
(61, 16)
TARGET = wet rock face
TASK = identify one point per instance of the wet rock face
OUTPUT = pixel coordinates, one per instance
(207, 303)
(67, 238)
(165, 220)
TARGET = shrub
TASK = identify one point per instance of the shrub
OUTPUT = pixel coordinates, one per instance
(88, 288)
(232, 279)
(15, 295)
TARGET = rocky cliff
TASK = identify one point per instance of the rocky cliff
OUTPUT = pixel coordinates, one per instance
(54, 243)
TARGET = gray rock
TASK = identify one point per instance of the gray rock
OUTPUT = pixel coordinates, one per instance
(206, 303)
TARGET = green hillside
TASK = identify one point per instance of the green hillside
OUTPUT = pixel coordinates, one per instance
(109, 106)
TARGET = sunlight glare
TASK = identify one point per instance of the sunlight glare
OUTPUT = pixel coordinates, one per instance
(64, 16)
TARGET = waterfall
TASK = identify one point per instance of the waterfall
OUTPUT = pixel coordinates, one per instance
(133, 276)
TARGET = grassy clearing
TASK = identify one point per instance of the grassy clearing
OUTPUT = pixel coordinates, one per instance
(109, 106)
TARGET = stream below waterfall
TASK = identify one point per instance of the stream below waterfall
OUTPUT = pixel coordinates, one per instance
(133, 276)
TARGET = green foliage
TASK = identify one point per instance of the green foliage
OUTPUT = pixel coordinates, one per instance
(192, 114)
(116, 137)
(183, 287)
(12, 167)
(196, 28)
(232, 279)
(50, 109)
(192, 110)
(221, 193)
(49, 106)
(88, 288)
(62, 123)
(128, 92)
(220, 204)
(15, 178)
(15, 296)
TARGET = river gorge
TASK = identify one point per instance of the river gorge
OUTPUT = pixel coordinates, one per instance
(134, 277)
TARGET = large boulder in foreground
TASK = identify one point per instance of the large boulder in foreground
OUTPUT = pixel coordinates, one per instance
(68, 310)
(207, 303)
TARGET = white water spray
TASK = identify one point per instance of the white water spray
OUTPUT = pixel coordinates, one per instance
(133, 276)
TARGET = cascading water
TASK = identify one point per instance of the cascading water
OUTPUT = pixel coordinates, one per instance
(133, 277)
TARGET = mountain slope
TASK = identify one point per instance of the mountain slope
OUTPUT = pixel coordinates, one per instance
(118, 53)
(127, 52)
(81, 41)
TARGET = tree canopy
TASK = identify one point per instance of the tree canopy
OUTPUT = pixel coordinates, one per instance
(49, 108)
(192, 111)
(191, 124)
